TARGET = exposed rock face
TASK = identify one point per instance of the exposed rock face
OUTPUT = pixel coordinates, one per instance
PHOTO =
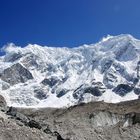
(96, 90)
(122, 89)
(40, 94)
(12, 111)
(34, 124)
(93, 90)
(137, 90)
(16, 74)
(106, 64)
(105, 118)
(62, 93)
(3, 103)
(5, 85)
(50, 82)
(136, 118)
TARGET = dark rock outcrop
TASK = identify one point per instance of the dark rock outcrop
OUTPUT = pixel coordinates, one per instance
(22, 118)
(122, 89)
(106, 65)
(93, 90)
(48, 131)
(3, 103)
(137, 91)
(136, 118)
(50, 81)
(16, 74)
(135, 81)
(34, 124)
(12, 111)
(40, 94)
(62, 93)
(59, 137)
(5, 86)
(96, 89)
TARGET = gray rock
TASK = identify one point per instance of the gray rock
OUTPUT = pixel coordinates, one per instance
(22, 118)
(16, 74)
(3, 103)
(48, 131)
(34, 124)
(110, 79)
(62, 93)
(12, 111)
(5, 86)
(106, 64)
(40, 94)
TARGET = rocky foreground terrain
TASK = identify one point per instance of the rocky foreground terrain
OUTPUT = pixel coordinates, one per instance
(91, 121)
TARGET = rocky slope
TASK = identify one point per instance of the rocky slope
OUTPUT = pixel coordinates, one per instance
(92, 121)
(12, 126)
(86, 121)
(36, 76)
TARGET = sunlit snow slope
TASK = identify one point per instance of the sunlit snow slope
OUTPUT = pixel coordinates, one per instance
(36, 76)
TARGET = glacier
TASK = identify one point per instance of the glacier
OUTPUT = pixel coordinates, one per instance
(42, 76)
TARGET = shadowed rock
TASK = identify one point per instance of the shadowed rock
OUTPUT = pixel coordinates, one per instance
(34, 124)
(137, 91)
(122, 89)
(59, 137)
(12, 111)
(136, 118)
(50, 81)
(62, 93)
(16, 74)
(40, 94)
(93, 90)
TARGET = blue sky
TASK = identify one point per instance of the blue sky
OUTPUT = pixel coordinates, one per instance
(66, 22)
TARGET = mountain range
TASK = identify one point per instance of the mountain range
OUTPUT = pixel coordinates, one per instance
(41, 76)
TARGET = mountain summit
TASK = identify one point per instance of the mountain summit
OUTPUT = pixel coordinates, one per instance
(36, 76)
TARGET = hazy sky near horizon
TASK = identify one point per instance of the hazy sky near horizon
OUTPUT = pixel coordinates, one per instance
(66, 22)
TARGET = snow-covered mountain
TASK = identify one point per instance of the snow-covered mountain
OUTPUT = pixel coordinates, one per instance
(39, 76)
